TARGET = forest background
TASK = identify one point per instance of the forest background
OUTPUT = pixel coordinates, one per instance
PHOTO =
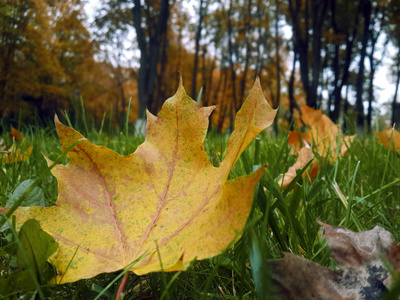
(50, 58)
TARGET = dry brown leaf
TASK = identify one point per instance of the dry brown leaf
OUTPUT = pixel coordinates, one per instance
(323, 133)
(305, 154)
(297, 140)
(363, 274)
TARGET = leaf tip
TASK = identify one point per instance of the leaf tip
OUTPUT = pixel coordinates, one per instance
(257, 84)
(260, 171)
(56, 119)
(207, 110)
(48, 160)
(181, 89)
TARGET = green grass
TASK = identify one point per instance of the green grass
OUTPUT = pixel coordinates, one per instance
(280, 220)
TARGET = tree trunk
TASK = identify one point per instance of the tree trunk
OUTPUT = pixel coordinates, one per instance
(221, 116)
(292, 101)
(339, 84)
(261, 39)
(231, 64)
(161, 94)
(372, 64)
(301, 41)
(196, 53)
(207, 95)
(301, 35)
(318, 9)
(334, 114)
(149, 53)
(247, 27)
(394, 106)
(365, 7)
(278, 65)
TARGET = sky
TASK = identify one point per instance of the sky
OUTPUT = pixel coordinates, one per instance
(383, 81)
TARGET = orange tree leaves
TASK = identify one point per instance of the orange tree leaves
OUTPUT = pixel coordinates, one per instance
(113, 209)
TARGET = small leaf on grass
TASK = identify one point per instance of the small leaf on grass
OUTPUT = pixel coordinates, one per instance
(305, 154)
(37, 246)
(363, 275)
(113, 209)
(35, 197)
(16, 134)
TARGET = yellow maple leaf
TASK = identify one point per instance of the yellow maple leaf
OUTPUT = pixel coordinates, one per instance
(112, 209)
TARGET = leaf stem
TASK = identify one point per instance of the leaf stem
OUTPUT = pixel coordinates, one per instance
(122, 285)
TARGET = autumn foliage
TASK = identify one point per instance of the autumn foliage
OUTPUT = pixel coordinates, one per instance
(165, 200)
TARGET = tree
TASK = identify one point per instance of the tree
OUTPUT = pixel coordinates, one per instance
(365, 7)
(344, 22)
(202, 12)
(31, 73)
(376, 28)
(308, 42)
(149, 36)
(393, 32)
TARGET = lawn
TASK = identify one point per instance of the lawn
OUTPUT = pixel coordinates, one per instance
(281, 220)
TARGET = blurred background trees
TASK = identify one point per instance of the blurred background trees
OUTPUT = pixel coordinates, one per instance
(325, 53)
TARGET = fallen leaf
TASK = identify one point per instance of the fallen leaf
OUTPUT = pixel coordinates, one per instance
(323, 133)
(34, 198)
(298, 140)
(37, 246)
(166, 199)
(363, 274)
(16, 134)
(15, 154)
(304, 155)
(384, 138)
(18, 151)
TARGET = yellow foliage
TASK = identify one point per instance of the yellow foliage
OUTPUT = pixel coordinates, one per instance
(165, 200)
